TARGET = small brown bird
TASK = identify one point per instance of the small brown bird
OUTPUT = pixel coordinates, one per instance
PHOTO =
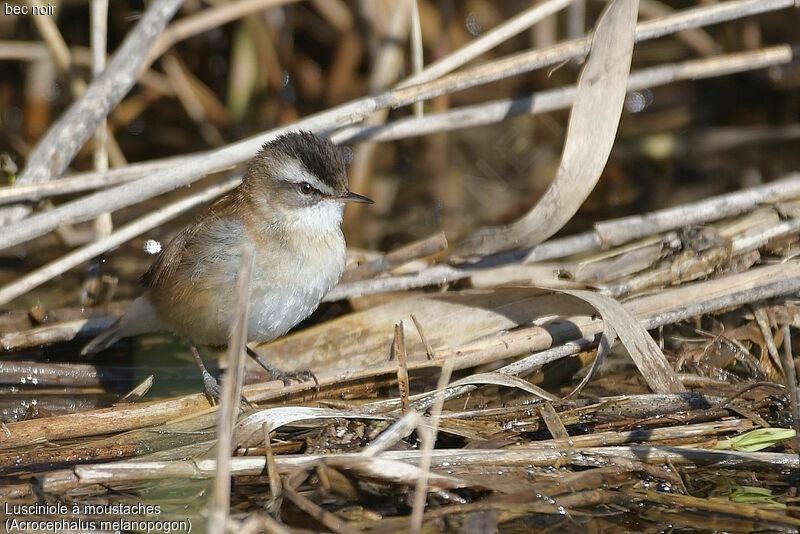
(289, 206)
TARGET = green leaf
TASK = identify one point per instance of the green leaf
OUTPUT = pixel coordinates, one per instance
(756, 440)
(755, 495)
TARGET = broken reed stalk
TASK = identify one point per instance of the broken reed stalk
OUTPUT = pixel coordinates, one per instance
(231, 394)
(49, 334)
(399, 353)
(194, 167)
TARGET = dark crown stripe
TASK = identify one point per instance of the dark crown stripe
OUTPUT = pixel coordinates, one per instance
(319, 156)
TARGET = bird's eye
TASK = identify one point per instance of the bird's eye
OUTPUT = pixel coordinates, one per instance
(305, 188)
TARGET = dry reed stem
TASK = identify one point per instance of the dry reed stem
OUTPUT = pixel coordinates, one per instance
(231, 395)
(576, 19)
(386, 69)
(762, 320)
(85, 181)
(717, 506)
(417, 60)
(651, 362)
(48, 334)
(428, 347)
(136, 393)
(397, 257)
(698, 40)
(51, 36)
(609, 233)
(790, 375)
(554, 424)
(331, 521)
(258, 522)
(487, 41)
(99, 28)
(275, 486)
(79, 56)
(400, 429)
(536, 59)
(429, 435)
(58, 482)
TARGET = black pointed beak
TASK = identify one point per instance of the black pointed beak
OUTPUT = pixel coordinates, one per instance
(355, 197)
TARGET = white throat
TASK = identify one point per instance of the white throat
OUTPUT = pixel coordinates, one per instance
(323, 217)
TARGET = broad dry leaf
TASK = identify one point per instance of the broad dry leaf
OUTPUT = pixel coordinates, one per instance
(648, 358)
(590, 135)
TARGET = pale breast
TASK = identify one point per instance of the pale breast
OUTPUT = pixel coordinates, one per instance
(288, 286)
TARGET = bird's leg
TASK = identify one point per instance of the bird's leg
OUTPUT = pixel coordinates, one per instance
(279, 374)
(210, 383)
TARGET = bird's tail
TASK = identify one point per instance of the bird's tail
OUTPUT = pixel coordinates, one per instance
(103, 340)
(141, 318)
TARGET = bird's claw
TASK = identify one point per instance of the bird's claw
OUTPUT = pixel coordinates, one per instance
(213, 390)
(287, 376)
(212, 387)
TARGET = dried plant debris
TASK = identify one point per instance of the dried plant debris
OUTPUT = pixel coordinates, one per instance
(484, 365)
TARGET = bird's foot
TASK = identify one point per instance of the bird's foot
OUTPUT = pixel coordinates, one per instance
(213, 390)
(287, 376)
(279, 374)
(211, 386)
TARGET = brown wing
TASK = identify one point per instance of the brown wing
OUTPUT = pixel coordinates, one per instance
(174, 254)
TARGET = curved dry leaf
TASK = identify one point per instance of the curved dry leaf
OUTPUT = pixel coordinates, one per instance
(648, 358)
(607, 339)
(500, 379)
(591, 131)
